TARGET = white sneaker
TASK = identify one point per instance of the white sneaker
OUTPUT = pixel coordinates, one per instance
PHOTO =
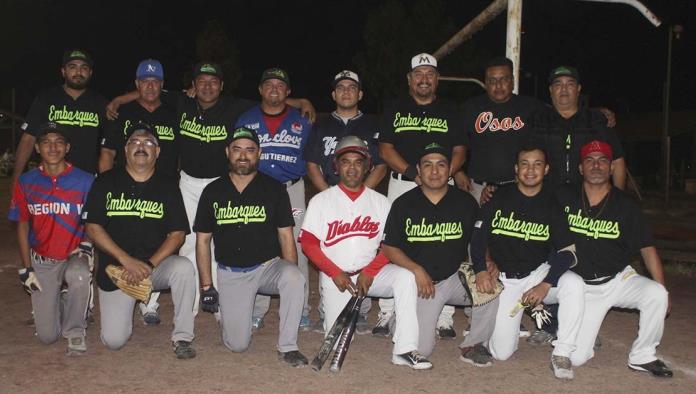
(413, 360)
(561, 367)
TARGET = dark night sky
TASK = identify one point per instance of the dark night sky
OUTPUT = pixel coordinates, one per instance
(621, 56)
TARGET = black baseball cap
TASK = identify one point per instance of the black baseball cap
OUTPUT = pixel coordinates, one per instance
(243, 132)
(141, 127)
(564, 71)
(435, 148)
(52, 127)
(208, 68)
(77, 54)
(275, 73)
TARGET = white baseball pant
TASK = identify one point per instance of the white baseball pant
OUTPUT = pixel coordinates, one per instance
(391, 281)
(630, 290)
(569, 294)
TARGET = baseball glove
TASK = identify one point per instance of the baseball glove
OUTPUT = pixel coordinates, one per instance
(140, 291)
(468, 278)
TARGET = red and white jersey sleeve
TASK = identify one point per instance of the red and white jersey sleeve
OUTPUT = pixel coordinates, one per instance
(350, 231)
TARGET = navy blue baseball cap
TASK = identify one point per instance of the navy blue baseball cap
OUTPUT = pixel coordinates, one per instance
(149, 68)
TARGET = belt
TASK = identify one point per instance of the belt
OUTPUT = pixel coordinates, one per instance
(599, 281)
(400, 177)
(486, 183)
(44, 260)
(516, 275)
(291, 182)
(244, 269)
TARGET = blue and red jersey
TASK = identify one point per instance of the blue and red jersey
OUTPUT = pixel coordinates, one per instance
(52, 205)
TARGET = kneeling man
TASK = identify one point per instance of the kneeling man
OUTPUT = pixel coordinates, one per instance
(341, 234)
(521, 227)
(249, 217)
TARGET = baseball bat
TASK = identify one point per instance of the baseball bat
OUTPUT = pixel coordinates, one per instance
(346, 338)
(333, 335)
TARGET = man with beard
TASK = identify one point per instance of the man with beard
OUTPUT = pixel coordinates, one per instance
(248, 215)
(137, 219)
(408, 124)
(77, 109)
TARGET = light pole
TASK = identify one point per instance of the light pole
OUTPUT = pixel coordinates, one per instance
(674, 30)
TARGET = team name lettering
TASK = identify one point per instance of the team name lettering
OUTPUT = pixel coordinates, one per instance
(246, 214)
(281, 139)
(72, 118)
(594, 228)
(424, 232)
(122, 206)
(52, 208)
(191, 128)
(415, 123)
(329, 145)
(486, 121)
(164, 133)
(360, 227)
(511, 227)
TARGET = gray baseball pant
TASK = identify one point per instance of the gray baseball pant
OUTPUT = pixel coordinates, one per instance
(296, 192)
(451, 291)
(175, 273)
(46, 303)
(238, 290)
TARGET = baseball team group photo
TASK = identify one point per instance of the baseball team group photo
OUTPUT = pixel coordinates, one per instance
(193, 240)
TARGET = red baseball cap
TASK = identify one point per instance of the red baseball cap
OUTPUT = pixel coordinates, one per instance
(596, 146)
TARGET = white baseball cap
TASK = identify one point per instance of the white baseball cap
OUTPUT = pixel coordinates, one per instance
(345, 74)
(423, 59)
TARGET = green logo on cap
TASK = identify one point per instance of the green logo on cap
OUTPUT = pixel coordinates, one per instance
(242, 133)
(208, 68)
(561, 70)
(79, 54)
(434, 145)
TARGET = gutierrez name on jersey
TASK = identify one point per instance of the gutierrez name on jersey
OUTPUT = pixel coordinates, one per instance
(486, 121)
(360, 227)
(416, 123)
(201, 132)
(523, 229)
(122, 206)
(239, 214)
(425, 232)
(594, 228)
(72, 118)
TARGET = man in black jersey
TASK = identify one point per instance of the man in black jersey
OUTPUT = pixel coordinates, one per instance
(525, 232)
(609, 230)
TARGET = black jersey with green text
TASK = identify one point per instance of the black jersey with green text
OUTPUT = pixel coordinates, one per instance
(436, 236)
(607, 235)
(244, 225)
(136, 215)
(82, 119)
(410, 126)
(522, 231)
(202, 133)
(162, 120)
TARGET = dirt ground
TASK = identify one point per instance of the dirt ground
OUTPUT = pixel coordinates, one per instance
(147, 363)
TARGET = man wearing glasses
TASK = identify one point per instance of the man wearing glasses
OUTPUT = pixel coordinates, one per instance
(137, 219)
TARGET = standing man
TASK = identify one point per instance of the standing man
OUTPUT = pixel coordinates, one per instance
(78, 110)
(346, 120)
(408, 125)
(566, 127)
(342, 233)
(526, 234)
(609, 229)
(147, 108)
(428, 232)
(248, 215)
(496, 123)
(46, 204)
(137, 219)
(283, 133)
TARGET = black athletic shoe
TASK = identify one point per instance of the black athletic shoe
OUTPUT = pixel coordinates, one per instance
(657, 368)
(446, 332)
(183, 350)
(412, 359)
(294, 358)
